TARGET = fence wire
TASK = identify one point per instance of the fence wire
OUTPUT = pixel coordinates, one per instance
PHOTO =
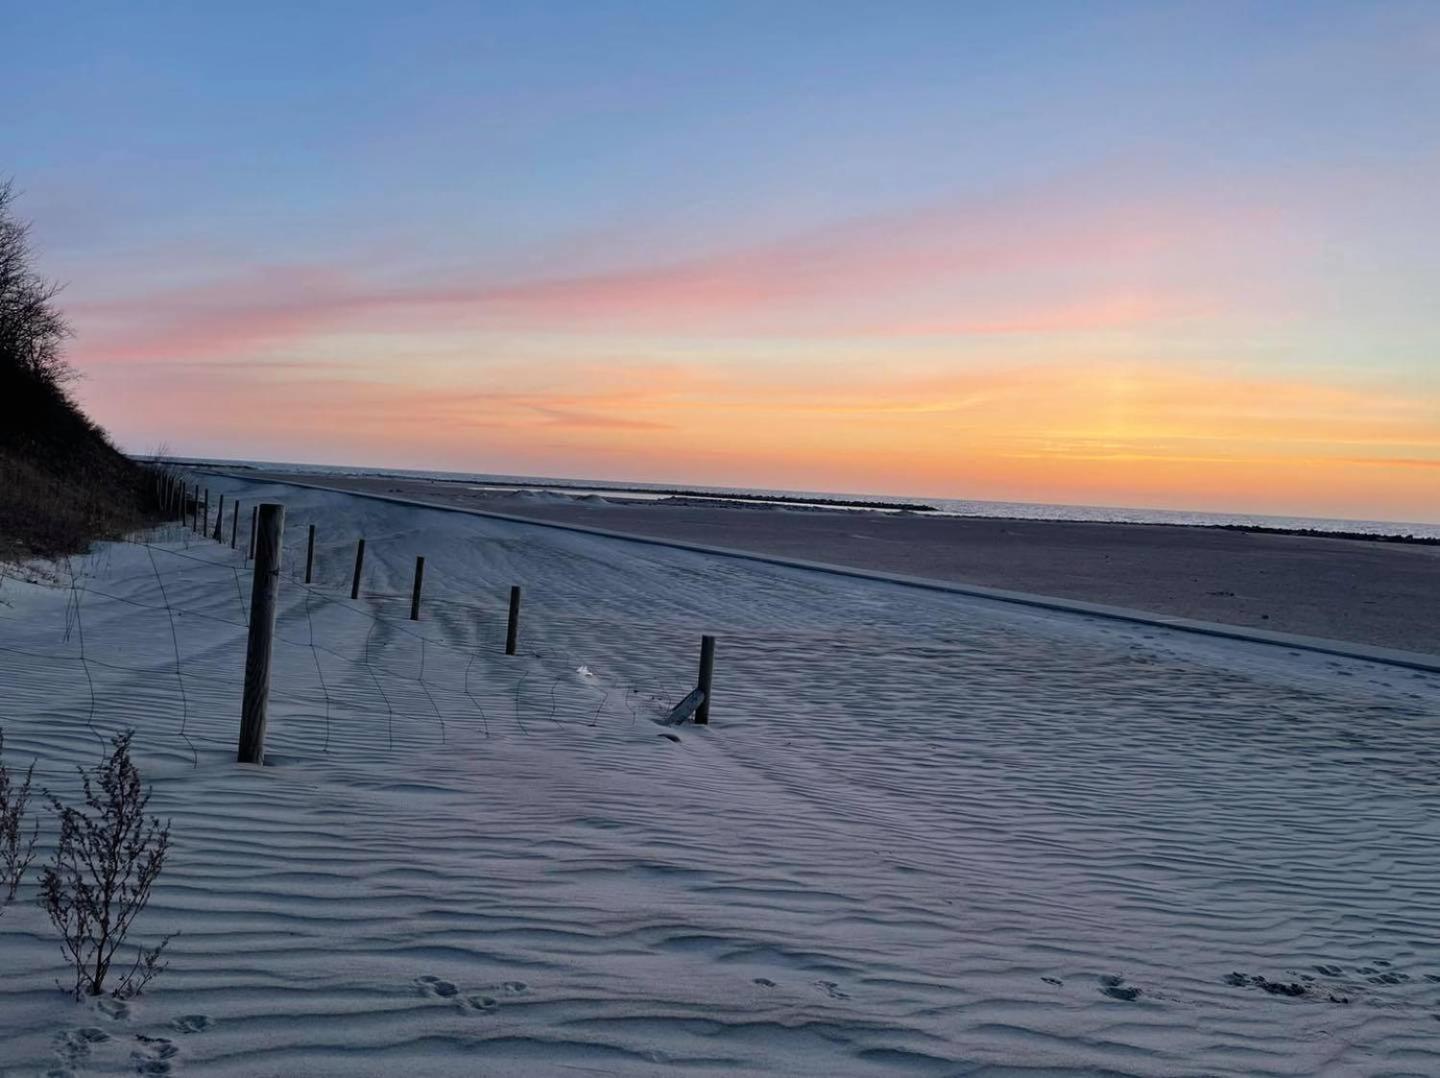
(360, 667)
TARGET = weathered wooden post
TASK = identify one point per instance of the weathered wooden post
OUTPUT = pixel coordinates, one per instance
(234, 523)
(263, 591)
(219, 521)
(415, 593)
(195, 509)
(359, 561)
(310, 554)
(512, 631)
(254, 523)
(707, 673)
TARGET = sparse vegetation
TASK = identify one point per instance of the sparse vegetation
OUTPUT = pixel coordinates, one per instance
(62, 483)
(105, 863)
(17, 847)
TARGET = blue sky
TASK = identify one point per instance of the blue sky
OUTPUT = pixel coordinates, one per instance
(582, 220)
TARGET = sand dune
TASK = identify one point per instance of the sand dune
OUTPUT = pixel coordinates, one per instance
(925, 834)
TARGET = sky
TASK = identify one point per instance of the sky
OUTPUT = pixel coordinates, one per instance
(1144, 254)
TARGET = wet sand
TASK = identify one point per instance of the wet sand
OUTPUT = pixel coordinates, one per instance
(1376, 593)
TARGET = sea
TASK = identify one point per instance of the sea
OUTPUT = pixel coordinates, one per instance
(960, 507)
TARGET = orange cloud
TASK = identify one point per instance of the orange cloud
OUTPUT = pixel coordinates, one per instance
(1112, 434)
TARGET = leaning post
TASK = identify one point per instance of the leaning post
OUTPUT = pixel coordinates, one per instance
(512, 631)
(234, 523)
(263, 591)
(359, 561)
(415, 593)
(219, 521)
(254, 523)
(310, 554)
(707, 673)
(195, 510)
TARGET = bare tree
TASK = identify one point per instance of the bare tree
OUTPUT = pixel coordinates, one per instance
(99, 879)
(32, 329)
(17, 849)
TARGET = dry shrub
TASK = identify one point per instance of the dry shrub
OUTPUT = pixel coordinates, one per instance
(98, 881)
(17, 848)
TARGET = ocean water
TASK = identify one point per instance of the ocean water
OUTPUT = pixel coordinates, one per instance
(945, 506)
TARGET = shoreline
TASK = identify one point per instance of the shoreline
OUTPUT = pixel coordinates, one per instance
(1377, 595)
(617, 493)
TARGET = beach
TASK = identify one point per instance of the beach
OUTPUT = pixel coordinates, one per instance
(923, 833)
(1361, 591)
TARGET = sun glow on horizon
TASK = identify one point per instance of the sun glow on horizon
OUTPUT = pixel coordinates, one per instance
(1189, 269)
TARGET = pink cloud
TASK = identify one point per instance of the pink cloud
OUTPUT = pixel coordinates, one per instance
(1073, 267)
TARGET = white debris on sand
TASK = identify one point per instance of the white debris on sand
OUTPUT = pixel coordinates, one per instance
(923, 833)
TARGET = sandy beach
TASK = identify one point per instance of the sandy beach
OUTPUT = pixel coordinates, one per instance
(1367, 592)
(924, 833)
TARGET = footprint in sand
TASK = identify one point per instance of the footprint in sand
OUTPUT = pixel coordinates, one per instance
(154, 1054)
(192, 1023)
(1116, 988)
(515, 987)
(435, 987)
(482, 1004)
(74, 1044)
(831, 989)
(113, 1009)
(764, 982)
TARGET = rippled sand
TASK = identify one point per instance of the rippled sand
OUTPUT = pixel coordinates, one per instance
(924, 834)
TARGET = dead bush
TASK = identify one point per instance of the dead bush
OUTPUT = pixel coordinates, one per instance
(17, 848)
(107, 859)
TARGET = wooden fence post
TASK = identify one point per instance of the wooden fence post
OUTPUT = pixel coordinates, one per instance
(415, 594)
(512, 631)
(263, 591)
(234, 523)
(219, 521)
(310, 554)
(254, 523)
(707, 673)
(195, 509)
(359, 561)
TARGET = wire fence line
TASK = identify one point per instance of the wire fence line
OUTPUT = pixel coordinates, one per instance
(151, 636)
(393, 684)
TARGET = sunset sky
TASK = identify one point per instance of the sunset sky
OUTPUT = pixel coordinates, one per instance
(1150, 254)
